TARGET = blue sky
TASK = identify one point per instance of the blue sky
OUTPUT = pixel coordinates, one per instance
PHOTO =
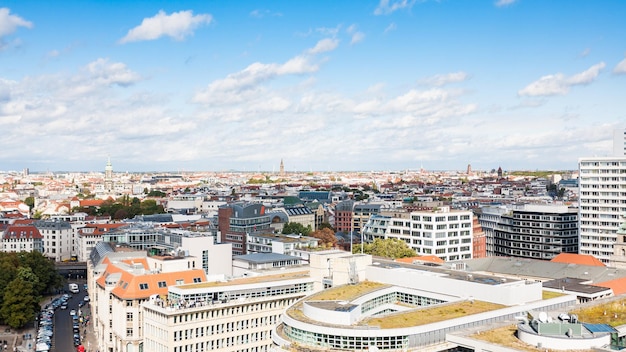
(323, 85)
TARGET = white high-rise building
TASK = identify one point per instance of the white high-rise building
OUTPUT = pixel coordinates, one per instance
(619, 142)
(602, 200)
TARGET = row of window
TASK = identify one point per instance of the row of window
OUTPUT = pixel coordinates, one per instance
(194, 333)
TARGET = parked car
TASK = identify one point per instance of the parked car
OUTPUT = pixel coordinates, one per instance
(73, 312)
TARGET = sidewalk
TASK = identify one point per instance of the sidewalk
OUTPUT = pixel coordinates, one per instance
(88, 336)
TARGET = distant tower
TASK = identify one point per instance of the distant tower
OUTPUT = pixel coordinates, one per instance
(469, 169)
(108, 176)
(282, 168)
(499, 172)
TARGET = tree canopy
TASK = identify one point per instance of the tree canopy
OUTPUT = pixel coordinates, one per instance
(388, 248)
(124, 208)
(297, 228)
(326, 236)
(24, 278)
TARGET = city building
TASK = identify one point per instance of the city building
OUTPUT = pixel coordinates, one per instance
(619, 142)
(344, 213)
(479, 240)
(231, 315)
(58, 239)
(124, 279)
(295, 245)
(442, 232)
(537, 231)
(237, 220)
(387, 305)
(602, 201)
(362, 214)
(90, 235)
(18, 238)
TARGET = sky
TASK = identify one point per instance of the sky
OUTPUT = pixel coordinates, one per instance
(322, 85)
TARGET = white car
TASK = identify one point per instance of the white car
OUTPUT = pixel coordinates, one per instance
(72, 312)
(86, 298)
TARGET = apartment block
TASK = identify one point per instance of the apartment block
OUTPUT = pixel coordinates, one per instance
(602, 201)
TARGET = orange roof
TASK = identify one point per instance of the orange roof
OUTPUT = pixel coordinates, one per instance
(137, 286)
(422, 258)
(91, 202)
(580, 259)
(618, 285)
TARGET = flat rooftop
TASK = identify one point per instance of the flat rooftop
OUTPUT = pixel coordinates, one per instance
(249, 280)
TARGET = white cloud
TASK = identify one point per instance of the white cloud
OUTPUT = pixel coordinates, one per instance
(239, 86)
(357, 36)
(620, 68)
(9, 23)
(502, 3)
(229, 90)
(559, 84)
(386, 7)
(324, 45)
(441, 80)
(178, 25)
(391, 27)
(264, 13)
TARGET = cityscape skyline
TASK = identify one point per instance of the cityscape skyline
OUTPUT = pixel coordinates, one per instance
(341, 86)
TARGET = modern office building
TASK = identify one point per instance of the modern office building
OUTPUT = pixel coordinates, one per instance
(442, 232)
(387, 305)
(233, 315)
(537, 231)
(602, 201)
(488, 218)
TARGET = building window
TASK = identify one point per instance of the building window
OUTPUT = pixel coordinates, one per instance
(162, 284)
(129, 316)
(129, 332)
(143, 286)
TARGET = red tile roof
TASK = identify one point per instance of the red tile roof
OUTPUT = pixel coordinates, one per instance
(22, 231)
(580, 259)
(91, 202)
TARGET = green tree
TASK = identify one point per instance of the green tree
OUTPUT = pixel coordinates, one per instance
(8, 271)
(48, 278)
(150, 206)
(30, 201)
(326, 225)
(157, 194)
(388, 248)
(297, 228)
(20, 303)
